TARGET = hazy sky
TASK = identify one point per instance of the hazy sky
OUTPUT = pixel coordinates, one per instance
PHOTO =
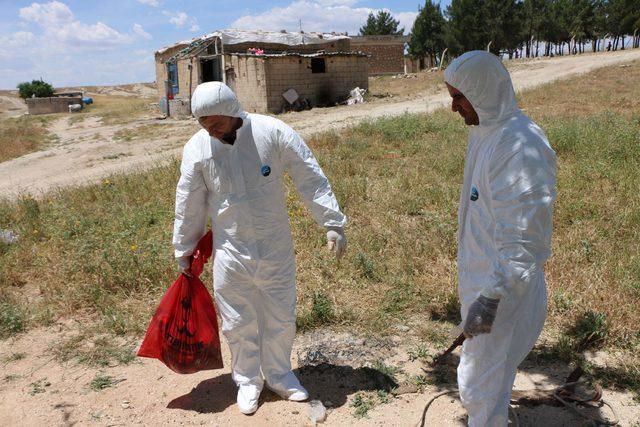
(85, 42)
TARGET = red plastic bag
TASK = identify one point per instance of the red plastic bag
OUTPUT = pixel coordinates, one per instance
(183, 332)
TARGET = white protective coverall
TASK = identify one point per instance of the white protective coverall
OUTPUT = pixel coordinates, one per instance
(240, 187)
(504, 236)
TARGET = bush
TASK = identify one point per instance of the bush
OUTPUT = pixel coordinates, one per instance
(38, 88)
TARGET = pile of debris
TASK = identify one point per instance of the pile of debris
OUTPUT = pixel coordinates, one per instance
(295, 102)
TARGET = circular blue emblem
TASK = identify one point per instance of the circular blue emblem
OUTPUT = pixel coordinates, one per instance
(474, 194)
(265, 170)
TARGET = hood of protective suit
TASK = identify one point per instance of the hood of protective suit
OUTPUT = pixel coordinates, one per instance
(215, 99)
(486, 83)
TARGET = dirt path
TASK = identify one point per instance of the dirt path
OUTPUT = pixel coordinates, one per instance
(87, 151)
(11, 106)
(37, 390)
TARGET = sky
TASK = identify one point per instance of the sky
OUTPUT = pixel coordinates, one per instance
(91, 42)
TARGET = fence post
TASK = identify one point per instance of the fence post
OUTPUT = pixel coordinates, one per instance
(444, 52)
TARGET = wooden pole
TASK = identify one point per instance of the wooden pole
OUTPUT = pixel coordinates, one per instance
(444, 52)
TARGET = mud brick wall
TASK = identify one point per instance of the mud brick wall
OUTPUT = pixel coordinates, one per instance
(246, 77)
(342, 74)
(52, 105)
(386, 53)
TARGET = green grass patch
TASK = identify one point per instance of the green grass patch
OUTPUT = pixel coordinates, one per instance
(92, 349)
(101, 382)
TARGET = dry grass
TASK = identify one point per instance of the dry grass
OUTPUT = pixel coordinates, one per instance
(411, 85)
(117, 109)
(22, 135)
(614, 88)
(104, 251)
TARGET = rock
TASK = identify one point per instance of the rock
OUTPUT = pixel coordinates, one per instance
(8, 237)
(405, 389)
(316, 411)
(402, 328)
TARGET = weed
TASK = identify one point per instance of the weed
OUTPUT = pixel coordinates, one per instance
(590, 331)
(419, 353)
(12, 318)
(14, 357)
(383, 396)
(92, 350)
(562, 300)
(362, 404)
(419, 380)
(365, 265)
(387, 370)
(320, 313)
(39, 386)
(11, 377)
(101, 381)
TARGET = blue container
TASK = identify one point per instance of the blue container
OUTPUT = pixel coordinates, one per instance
(87, 100)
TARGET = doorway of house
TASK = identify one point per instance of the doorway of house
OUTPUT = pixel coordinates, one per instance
(211, 69)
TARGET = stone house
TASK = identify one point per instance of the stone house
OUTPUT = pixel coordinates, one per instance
(260, 66)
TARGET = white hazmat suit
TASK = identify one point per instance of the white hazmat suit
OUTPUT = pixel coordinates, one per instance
(240, 187)
(505, 224)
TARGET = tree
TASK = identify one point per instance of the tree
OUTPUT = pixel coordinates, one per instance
(473, 24)
(466, 26)
(38, 88)
(534, 12)
(504, 25)
(381, 24)
(427, 34)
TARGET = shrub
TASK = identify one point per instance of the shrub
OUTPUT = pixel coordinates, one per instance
(37, 88)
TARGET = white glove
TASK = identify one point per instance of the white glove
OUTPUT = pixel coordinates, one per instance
(184, 264)
(336, 241)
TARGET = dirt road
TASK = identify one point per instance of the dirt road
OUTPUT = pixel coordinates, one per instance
(11, 106)
(334, 366)
(87, 151)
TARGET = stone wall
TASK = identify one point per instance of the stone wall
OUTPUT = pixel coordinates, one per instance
(342, 74)
(246, 77)
(386, 53)
(52, 105)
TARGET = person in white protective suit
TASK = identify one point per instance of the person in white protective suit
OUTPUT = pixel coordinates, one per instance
(504, 235)
(232, 171)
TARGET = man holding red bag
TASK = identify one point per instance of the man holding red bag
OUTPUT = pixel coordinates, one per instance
(232, 171)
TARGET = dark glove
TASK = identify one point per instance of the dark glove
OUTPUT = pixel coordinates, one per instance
(480, 317)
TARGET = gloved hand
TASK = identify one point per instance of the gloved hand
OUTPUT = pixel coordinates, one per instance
(184, 263)
(336, 241)
(480, 317)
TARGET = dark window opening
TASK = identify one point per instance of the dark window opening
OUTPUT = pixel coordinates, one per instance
(318, 65)
(211, 70)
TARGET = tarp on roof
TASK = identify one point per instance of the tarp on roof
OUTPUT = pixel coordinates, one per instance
(230, 37)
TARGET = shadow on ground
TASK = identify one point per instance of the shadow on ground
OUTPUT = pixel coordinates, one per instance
(546, 375)
(325, 382)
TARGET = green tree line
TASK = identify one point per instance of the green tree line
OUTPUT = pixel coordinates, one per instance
(525, 27)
